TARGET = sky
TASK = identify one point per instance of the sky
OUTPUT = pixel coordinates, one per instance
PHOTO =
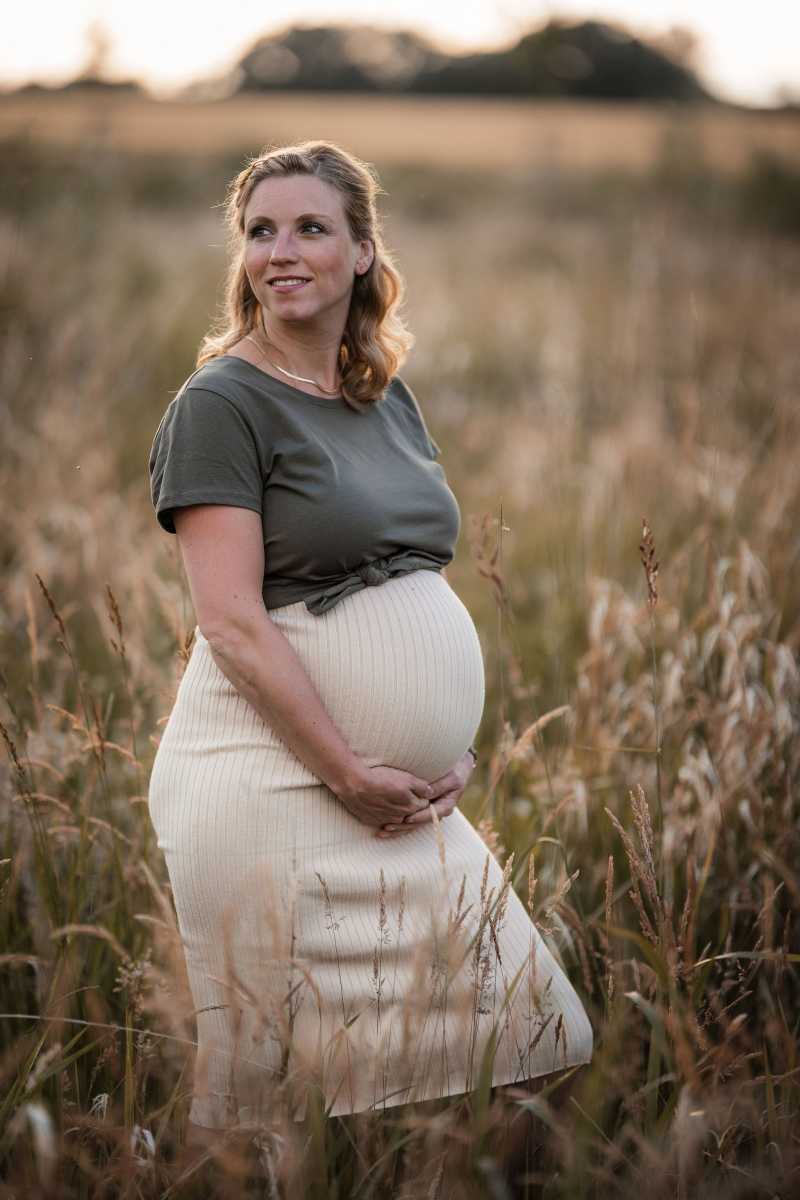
(746, 50)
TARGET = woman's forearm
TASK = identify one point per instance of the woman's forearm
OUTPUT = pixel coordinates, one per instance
(263, 666)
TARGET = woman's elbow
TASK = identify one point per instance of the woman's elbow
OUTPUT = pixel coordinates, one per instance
(235, 625)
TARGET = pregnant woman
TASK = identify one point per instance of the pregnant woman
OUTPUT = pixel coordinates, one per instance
(343, 923)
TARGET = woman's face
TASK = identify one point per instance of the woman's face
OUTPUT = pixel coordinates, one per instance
(295, 226)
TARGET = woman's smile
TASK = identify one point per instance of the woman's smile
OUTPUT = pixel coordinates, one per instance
(288, 283)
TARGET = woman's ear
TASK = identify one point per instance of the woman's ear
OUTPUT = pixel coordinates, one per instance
(366, 257)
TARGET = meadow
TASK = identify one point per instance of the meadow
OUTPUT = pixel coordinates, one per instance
(606, 303)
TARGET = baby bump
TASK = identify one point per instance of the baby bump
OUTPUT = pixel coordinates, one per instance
(399, 669)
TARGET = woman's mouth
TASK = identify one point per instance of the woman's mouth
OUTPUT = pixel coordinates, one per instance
(288, 283)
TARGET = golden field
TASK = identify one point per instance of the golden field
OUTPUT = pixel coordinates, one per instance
(606, 302)
(460, 131)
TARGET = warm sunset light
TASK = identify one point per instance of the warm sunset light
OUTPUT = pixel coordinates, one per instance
(399, 687)
(744, 53)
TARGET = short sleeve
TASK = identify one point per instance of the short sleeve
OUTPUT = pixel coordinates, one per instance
(204, 452)
(432, 447)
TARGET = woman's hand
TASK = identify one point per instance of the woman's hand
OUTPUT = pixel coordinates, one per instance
(386, 795)
(445, 795)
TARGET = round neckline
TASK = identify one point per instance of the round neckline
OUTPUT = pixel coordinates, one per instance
(330, 403)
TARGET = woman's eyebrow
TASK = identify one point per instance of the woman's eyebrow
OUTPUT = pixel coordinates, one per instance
(302, 217)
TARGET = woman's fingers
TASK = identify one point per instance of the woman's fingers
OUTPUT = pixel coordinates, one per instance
(444, 807)
(442, 794)
(446, 803)
(422, 789)
(443, 785)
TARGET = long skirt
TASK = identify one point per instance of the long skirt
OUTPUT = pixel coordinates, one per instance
(376, 971)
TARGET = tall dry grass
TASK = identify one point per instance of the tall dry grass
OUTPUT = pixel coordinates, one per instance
(592, 349)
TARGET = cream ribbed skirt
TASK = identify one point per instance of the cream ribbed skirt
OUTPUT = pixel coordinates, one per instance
(382, 971)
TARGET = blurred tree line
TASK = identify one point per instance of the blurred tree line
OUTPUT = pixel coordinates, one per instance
(589, 59)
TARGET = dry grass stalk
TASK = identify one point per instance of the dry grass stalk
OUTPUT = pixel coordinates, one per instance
(608, 913)
(647, 551)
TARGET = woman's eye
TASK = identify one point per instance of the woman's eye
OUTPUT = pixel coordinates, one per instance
(257, 230)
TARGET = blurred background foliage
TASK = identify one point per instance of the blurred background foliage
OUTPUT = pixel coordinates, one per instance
(606, 330)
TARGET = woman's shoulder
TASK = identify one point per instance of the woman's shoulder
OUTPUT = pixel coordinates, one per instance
(237, 385)
(218, 403)
(223, 375)
(397, 386)
(409, 404)
(402, 400)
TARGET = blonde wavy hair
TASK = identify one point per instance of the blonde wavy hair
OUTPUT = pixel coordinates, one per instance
(375, 342)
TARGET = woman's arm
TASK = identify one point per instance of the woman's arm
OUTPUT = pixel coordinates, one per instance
(223, 553)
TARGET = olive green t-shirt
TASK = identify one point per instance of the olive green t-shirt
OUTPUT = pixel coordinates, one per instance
(347, 498)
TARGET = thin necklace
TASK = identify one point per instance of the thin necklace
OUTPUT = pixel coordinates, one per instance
(301, 378)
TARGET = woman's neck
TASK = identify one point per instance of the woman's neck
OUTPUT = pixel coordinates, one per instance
(309, 352)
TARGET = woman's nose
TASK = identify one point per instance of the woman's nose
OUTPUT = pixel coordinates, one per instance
(283, 247)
